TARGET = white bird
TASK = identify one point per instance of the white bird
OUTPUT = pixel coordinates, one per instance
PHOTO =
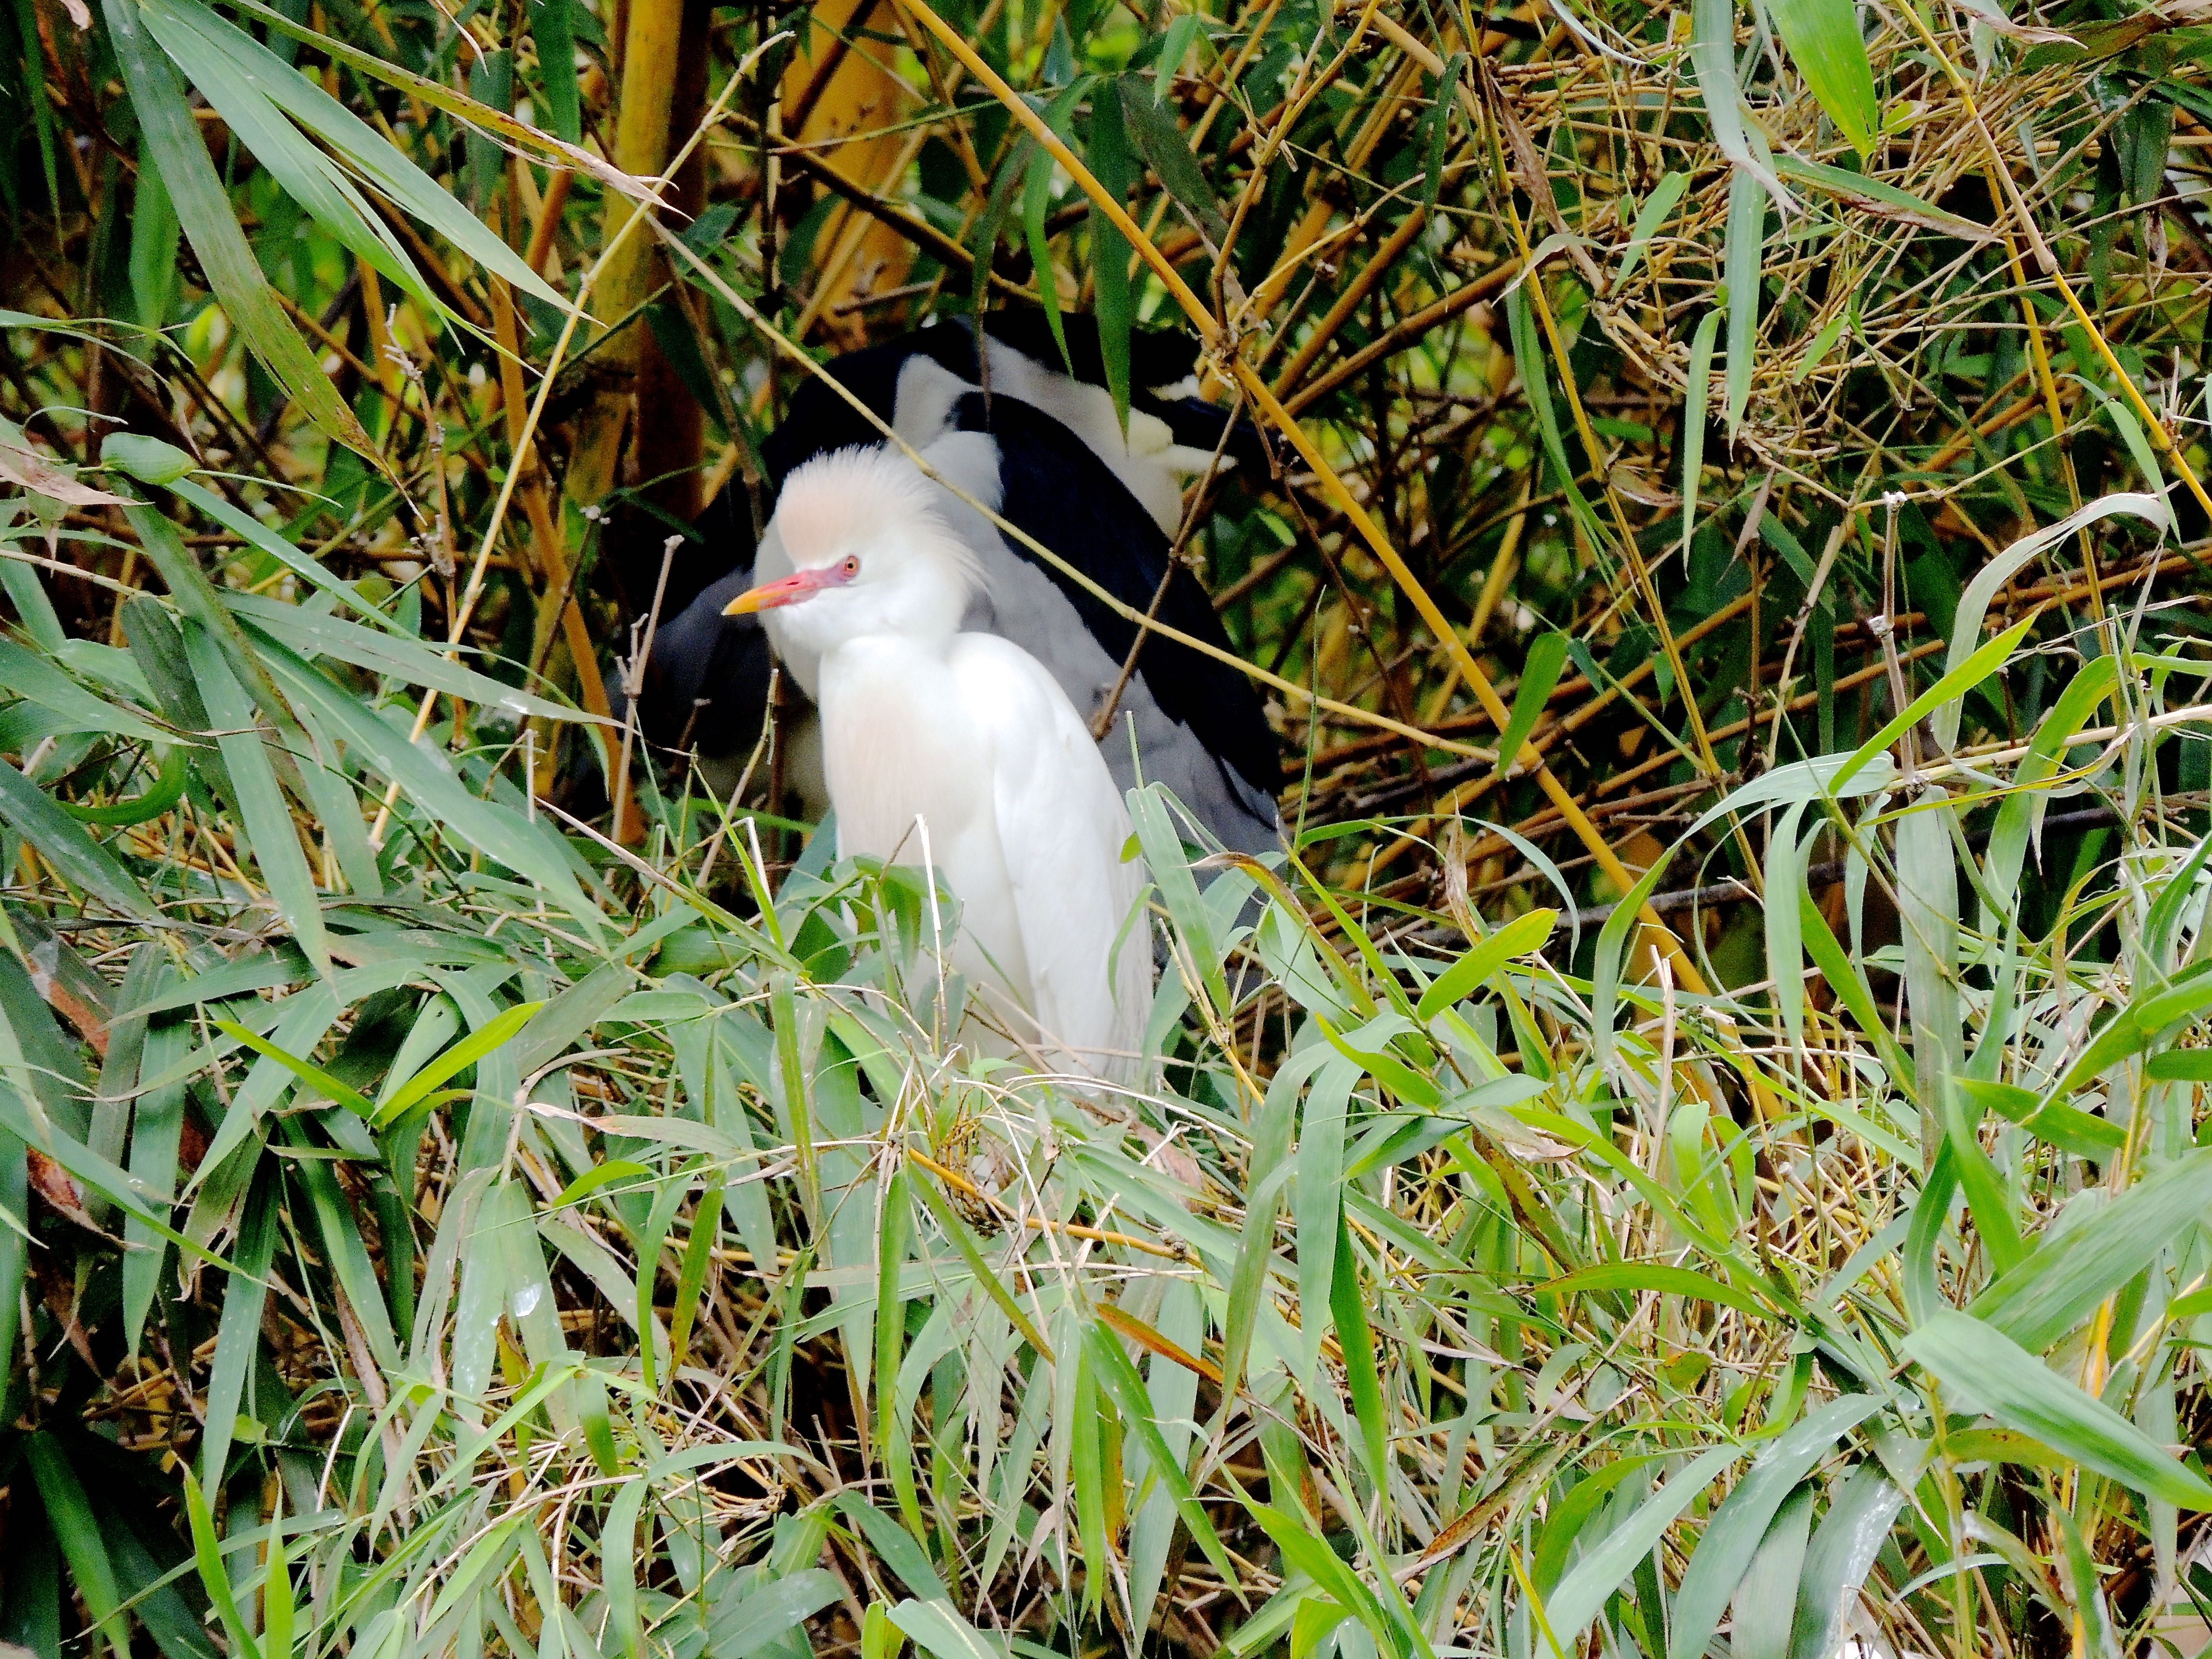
(962, 749)
(1045, 451)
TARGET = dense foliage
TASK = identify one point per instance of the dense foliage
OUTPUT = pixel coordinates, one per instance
(1724, 1178)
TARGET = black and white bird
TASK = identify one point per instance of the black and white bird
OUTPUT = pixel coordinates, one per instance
(1045, 451)
(957, 750)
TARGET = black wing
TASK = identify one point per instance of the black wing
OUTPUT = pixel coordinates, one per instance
(1056, 490)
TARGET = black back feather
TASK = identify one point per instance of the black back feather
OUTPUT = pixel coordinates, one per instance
(1056, 488)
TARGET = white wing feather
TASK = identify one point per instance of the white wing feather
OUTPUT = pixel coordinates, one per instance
(1063, 825)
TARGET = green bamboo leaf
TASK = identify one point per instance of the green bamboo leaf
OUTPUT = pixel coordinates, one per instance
(1320, 1164)
(618, 1565)
(1989, 1372)
(1125, 1389)
(1742, 258)
(238, 1333)
(233, 74)
(1584, 1592)
(312, 1076)
(500, 833)
(1362, 1379)
(753, 1622)
(1837, 1561)
(2059, 1286)
(1766, 1602)
(1656, 1276)
(277, 1608)
(1435, 136)
(1741, 1525)
(467, 1052)
(1785, 937)
(61, 841)
(1154, 135)
(80, 1535)
(1115, 307)
(1990, 581)
(501, 124)
(554, 30)
(207, 1555)
(1530, 359)
(172, 138)
(38, 680)
(1986, 660)
(1872, 195)
(265, 818)
(937, 1629)
(1696, 411)
(1712, 55)
(1037, 197)
(165, 791)
(1665, 195)
(1539, 673)
(1484, 960)
(1824, 41)
(1169, 866)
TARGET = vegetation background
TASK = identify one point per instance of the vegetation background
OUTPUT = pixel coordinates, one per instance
(1696, 1148)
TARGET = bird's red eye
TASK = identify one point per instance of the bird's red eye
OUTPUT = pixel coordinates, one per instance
(851, 568)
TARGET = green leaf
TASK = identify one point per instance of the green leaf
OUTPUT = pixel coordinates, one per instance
(1437, 136)
(1697, 410)
(1127, 1389)
(1654, 1276)
(554, 30)
(2066, 1126)
(238, 1335)
(1989, 657)
(1824, 41)
(1154, 135)
(1582, 1594)
(82, 1538)
(1992, 1373)
(1484, 960)
(939, 1630)
(1886, 200)
(265, 827)
(2059, 1285)
(1836, 1562)
(1037, 197)
(1785, 935)
(1740, 1525)
(487, 1037)
(1112, 303)
(207, 1555)
(61, 841)
(753, 1622)
(1361, 1378)
(1746, 240)
(1663, 201)
(232, 75)
(1539, 673)
(1766, 1602)
(172, 138)
(149, 460)
(316, 1078)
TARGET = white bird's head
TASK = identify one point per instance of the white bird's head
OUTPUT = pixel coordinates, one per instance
(871, 553)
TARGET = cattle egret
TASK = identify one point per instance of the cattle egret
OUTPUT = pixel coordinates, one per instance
(958, 748)
(1046, 454)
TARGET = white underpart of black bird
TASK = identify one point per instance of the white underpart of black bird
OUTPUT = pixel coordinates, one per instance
(1019, 601)
(961, 750)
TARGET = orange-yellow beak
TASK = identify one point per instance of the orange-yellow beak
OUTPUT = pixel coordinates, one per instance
(787, 590)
